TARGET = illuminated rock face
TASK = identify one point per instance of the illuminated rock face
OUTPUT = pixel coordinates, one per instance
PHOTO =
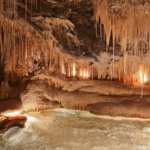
(129, 24)
(66, 42)
(45, 90)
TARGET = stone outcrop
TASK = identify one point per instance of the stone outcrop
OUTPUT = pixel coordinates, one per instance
(44, 90)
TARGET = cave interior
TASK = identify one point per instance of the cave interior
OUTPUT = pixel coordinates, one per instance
(89, 55)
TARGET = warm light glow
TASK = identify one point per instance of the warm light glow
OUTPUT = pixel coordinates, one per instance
(30, 118)
(13, 113)
(74, 69)
(80, 72)
(141, 74)
(16, 118)
(145, 77)
(84, 73)
(87, 74)
(63, 68)
(69, 72)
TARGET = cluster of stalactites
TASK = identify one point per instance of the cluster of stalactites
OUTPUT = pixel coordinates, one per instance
(25, 50)
(128, 21)
(19, 50)
(131, 23)
(82, 69)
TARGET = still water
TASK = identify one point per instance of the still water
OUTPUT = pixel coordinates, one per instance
(63, 129)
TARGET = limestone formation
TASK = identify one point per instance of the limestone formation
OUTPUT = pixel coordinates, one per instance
(73, 44)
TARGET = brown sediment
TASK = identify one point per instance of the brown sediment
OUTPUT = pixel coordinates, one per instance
(10, 122)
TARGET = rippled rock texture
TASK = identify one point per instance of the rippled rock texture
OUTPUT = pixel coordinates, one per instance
(44, 89)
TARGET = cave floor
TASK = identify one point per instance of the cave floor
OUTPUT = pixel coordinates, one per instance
(65, 129)
(44, 88)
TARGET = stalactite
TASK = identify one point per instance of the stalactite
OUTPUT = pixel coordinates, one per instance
(29, 54)
(5, 33)
(92, 72)
(31, 15)
(113, 43)
(22, 48)
(40, 8)
(14, 53)
(1, 44)
(69, 68)
(25, 10)
(36, 4)
(1, 10)
(46, 56)
(149, 44)
(33, 45)
(20, 51)
(101, 30)
(96, 29)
